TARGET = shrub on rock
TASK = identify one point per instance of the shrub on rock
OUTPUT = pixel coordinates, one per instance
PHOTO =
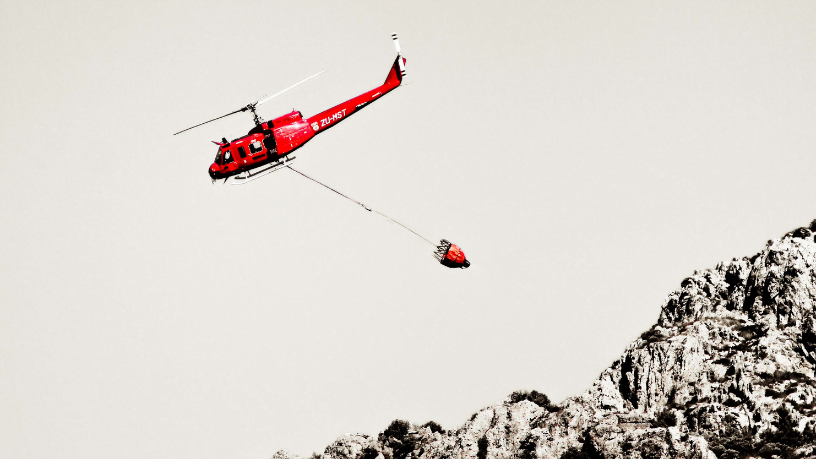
(534, 396)
(435, 427)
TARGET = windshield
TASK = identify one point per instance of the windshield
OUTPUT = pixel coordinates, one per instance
(218, 157)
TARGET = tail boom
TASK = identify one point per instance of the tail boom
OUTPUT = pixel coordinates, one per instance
(329, 118)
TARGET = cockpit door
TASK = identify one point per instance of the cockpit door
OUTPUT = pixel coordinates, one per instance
(228, 161)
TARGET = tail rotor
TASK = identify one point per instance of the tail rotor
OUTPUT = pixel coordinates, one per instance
(399, 56)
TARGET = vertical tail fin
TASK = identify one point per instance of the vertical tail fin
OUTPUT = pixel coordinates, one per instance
(397, 72)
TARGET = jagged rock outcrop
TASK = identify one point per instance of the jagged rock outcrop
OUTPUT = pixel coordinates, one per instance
(727, 371)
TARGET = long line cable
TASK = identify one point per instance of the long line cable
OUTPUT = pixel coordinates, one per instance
(363, 205)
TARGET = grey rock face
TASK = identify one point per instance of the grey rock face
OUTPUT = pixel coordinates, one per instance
(727, 371)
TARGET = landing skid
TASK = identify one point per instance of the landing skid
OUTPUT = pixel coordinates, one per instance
(248, 176)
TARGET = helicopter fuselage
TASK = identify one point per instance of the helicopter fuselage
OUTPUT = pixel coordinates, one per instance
(273, 140)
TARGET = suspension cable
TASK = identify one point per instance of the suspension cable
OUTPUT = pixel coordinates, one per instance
(363, 205)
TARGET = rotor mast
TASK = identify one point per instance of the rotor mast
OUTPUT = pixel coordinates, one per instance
(255, 117)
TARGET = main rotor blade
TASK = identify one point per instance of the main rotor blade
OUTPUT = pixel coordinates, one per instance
(265, 99)
(252, 105)
(228, 114)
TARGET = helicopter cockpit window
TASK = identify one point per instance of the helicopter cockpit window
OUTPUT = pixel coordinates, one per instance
(242, 152)
(228, 157)
(218, 157)
(255, 147)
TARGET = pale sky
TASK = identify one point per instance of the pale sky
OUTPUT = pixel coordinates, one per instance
(587, 156)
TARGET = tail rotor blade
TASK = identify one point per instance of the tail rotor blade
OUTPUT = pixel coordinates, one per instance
(399, 56)
(396, 42)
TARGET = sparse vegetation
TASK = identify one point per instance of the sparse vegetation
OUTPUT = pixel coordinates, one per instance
(734, 389)
(651, 450)
(779, 377)
(746, 333)
(732, 278)
(527, 448)
(572, 453)
(534, 396)
(733, 444)
(728, 321)
(652, 335)
(397, 438)
(369, 453)
(802, 233)
(804, 407)
(482, 444)
(435, 427)
(782, 441)
(787, 432)
(588, 450)
(397, 429)
(665, 418)
(772, 393)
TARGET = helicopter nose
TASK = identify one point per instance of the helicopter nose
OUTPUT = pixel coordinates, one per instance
(466, 264)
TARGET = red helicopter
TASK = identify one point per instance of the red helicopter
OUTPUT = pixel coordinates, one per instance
(267, 146)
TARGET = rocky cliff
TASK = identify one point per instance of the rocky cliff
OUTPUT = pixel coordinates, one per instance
(726, 372)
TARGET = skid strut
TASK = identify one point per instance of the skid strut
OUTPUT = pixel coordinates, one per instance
(246, 177)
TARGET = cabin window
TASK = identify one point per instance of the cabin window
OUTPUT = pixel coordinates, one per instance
(255, 147)
(228, 157)
(218, 157)
(241, 152)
